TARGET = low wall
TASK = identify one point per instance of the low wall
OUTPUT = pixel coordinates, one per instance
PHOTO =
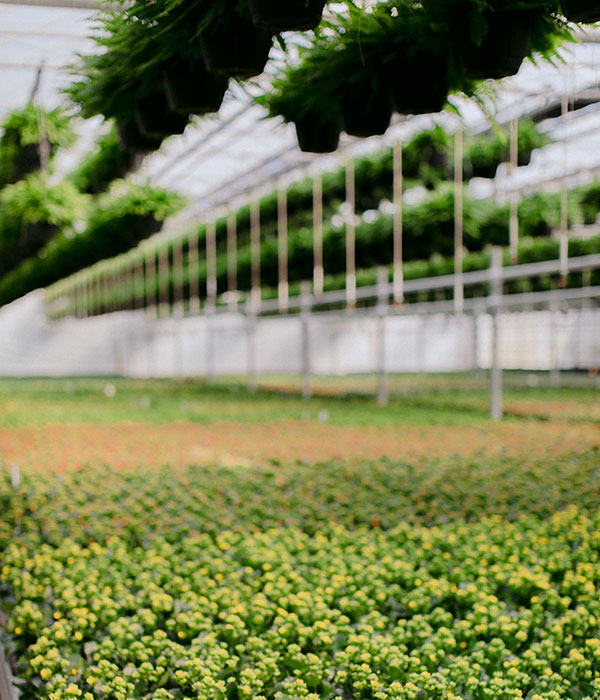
(132, 343)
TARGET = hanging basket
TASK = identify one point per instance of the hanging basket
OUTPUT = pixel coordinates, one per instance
(586, 11)
(280, 16)
(315, 136)
(193, 90)
(133, 140)
(155, 121)
(502, 50)
(417, 84)
(238, 50)
(366, 111)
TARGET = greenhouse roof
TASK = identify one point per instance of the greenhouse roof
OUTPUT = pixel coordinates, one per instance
(226, 157)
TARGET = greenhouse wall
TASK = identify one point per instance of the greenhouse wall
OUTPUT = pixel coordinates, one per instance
(131, 343)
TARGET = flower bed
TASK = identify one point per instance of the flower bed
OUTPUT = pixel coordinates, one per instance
(377, 580)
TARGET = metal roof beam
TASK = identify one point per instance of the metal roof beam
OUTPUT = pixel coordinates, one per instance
(72, 4)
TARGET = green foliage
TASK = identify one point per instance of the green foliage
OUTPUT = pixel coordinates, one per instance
(31, 213)
(119, 220)
(590, 202)
(22, 133)
(485, 152)
(362, 580)
(137, 44)
(108, 161)
(402, 48)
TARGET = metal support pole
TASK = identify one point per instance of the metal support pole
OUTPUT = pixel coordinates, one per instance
(564, 217)
(232, 259)
(458, 222)
(193, 273)
(305, 309)
(494, 303)
(282, 250)
(251, 340)
(255, 293)
(178, 276)
(211, 264)
(398, 272)
(382, 300)
(318, 270)
(139, 282)
(554, 359)
(350, 237)
(513, 233)
(210, 344)
(164, 273)
(150, 286)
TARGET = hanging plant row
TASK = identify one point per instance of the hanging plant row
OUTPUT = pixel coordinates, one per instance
(163, 62)
(405, 57)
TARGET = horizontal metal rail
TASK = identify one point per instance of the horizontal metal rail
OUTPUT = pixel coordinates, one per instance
(425, 284)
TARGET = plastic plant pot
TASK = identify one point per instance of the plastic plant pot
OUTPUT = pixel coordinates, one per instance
(502, 50)
(317, 136)
(133, 140)
(365, 113)
(154, 119)
(586, 11)
(417, 84)
(236, 50)
(193, 90)
(284, 15)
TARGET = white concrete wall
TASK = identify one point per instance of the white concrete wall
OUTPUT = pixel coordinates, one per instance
(134, 344)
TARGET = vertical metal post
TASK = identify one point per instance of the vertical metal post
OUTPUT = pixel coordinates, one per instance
(513, 233)
(139, 281)
(318, 270)
(458, 222)
(350, 236)
(305, 309)
(282, 250)
(554, 359)
(564, 214)
(150, 286)
(397, 186)
(193, 273)
(255, 294)
(211, 264)
(178, 276)
(494, 304)
(164, 275)
(382, 300)
(232, 259)
(251, 340)
(211, 297)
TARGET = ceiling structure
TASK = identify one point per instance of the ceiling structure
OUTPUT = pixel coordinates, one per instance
(224, 159)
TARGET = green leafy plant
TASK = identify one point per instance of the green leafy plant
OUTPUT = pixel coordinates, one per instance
(107, 161)
(23, 132)
(119, 219)
(31, 213)
(485, 152)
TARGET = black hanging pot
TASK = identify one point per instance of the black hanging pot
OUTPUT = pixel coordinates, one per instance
(317, 136)
(237, 49)
(284, 15)
(416, 84)
(133, 140)
(145, 226)
(28, 159)
(193, 90)
(503, 48)
(155, 120)
(365, 111)
(586, 11)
